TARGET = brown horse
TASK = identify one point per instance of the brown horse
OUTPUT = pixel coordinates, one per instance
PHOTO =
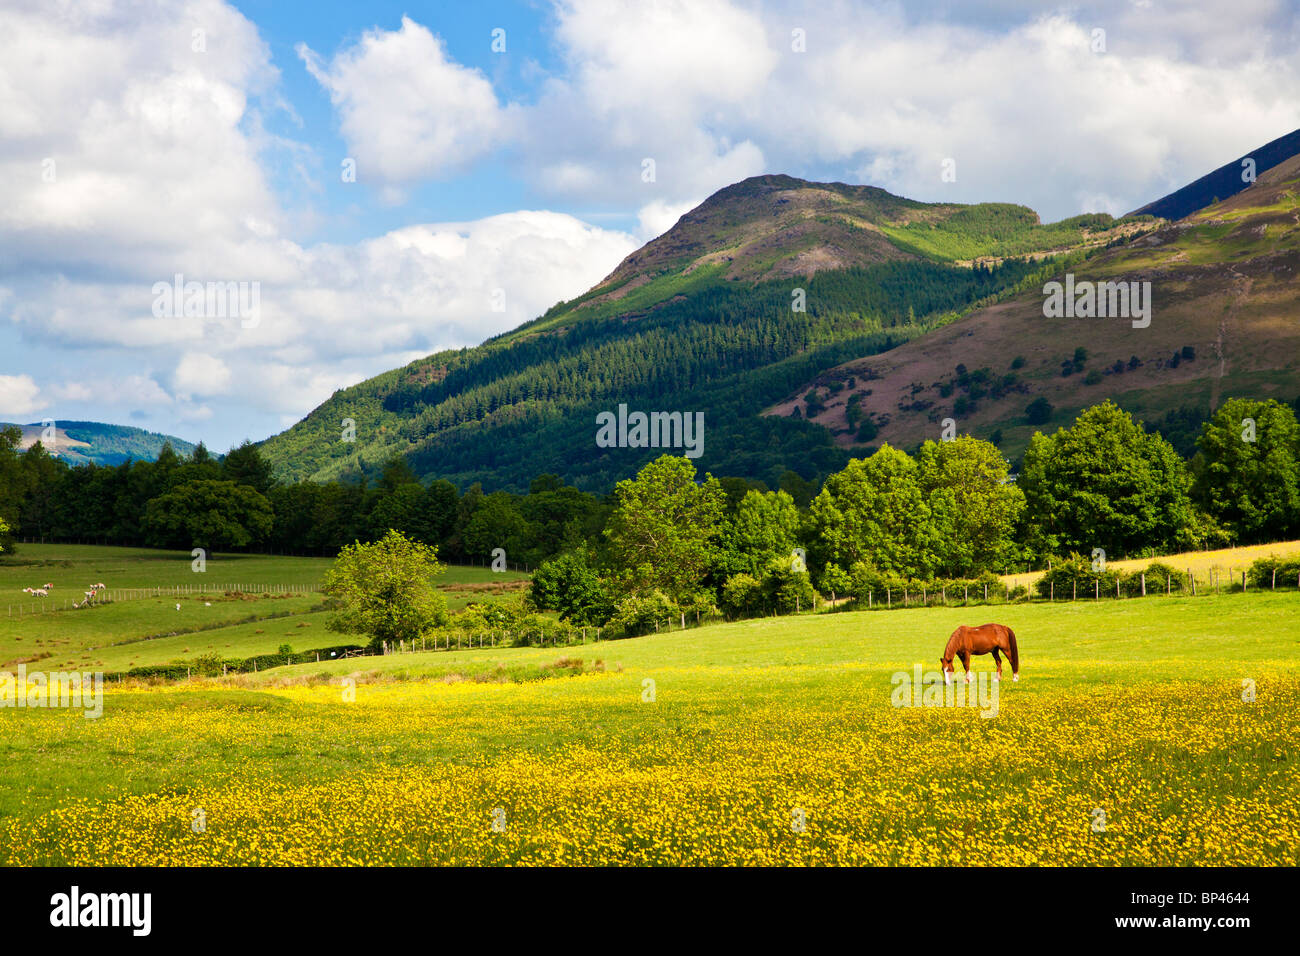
(966, 641)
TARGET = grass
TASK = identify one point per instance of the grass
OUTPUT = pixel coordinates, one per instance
(138, 628)
(1133, 707)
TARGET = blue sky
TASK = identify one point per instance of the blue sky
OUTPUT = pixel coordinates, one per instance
(466, 28)
(145, 139)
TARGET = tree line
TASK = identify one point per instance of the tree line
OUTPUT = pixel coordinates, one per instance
(952, 511)
(949, 516)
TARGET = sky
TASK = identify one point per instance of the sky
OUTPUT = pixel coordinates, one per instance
(360, 185)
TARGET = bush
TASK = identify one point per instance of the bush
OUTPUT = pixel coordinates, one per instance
(1158, 577)
(785, 589)
(866, 582)
(643, 613)
(1076, 572)
(741, 595)
(1039, 411)
(1260, 574)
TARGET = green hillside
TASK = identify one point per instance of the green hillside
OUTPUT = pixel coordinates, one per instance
(706, 318)
(80, 443)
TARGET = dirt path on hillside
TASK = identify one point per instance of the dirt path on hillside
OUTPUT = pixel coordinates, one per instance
(1240, 295)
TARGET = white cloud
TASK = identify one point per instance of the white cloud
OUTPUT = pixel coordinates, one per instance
(201, 373)
(714, 92)
(161, 166)
(407, 111)
(158, 172)
(19, 396)
(122, 146)
(657, 217)
(1030, 115)
(670, 81)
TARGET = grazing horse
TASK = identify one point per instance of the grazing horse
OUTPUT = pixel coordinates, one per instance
(986, 638)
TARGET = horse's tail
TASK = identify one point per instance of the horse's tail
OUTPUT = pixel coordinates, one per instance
(1013, 651)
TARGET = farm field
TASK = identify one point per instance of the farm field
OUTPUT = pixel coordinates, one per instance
(763, 741)
(138, 628)
(1226, 563)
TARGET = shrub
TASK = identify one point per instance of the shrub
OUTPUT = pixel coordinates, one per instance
(785, 589)
(1158, 577)
(1261, 572)
(1076, 572)
(1039, 411)
(741, 595)
(642, 613)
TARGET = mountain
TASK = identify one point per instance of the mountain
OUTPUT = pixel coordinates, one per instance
(1224, 182)
(79, 443)
(1225, 298)
(808, 322)
(767, 284)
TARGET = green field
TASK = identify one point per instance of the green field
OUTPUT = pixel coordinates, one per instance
(142, 624)
(765, 741)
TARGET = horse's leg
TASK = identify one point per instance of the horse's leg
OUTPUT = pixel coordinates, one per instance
(965, 662)
(997, 659)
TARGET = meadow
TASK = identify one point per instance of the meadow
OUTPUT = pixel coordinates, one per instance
(1144, 731)
(163, 611)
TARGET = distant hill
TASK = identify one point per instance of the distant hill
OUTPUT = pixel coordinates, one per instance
(1224, 182)
(767, 283)
(81, 442)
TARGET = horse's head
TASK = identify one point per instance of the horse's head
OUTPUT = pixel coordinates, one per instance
(946, 664)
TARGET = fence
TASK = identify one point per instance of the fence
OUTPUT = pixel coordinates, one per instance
(500, 637)
(1211, 583)
(55, 603)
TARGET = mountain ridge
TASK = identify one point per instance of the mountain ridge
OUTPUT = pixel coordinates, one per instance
(707, 316)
